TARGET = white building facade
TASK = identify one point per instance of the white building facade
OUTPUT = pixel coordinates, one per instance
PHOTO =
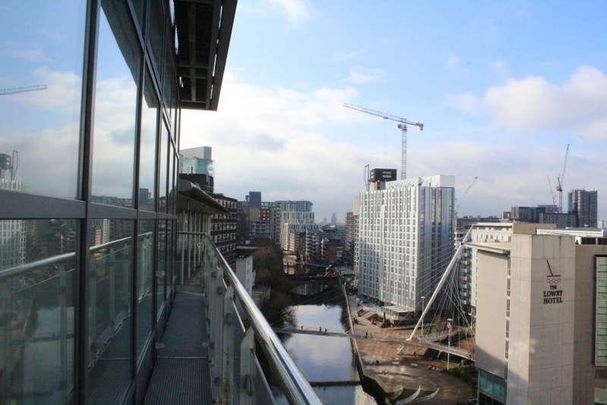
(293, 216)
(405, 239)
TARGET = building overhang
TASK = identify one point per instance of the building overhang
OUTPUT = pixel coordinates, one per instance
(193, 198)
(203, 29)
(501, 248)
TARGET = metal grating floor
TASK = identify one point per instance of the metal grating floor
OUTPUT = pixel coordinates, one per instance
(181, 373)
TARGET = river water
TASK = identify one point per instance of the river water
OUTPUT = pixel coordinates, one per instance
(324, 358)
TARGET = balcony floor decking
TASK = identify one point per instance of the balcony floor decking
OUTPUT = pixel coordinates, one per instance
(181, 373)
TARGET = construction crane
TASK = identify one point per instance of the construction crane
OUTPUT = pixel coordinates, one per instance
(402, 125)
(560, 180)
(554, 201)
(459, 202)
(22, 89)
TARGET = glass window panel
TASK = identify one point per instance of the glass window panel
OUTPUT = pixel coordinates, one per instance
(161, 260)
(170, 178)
(170, 258)
(118, 64)
(162, 184)
(109, 310)
(155, 35)
(145, 274)
(37, 310)
(41, 77)
(147, 163)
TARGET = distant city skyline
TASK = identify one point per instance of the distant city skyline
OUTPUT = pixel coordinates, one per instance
(501, 95)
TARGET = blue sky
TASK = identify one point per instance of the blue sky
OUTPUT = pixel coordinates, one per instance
(501, 87)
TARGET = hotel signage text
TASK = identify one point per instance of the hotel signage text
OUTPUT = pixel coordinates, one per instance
(553, 295)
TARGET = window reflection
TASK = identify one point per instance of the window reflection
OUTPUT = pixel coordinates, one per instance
(115, 106)
(147, 164)
(37, 302)
(145, 274)
(40, 88)
(162, 183)
(161, 260)
(109, 310)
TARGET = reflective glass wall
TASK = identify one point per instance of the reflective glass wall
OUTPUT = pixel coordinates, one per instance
(88, 150)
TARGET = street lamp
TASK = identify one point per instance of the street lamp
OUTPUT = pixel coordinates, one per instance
(449, 326)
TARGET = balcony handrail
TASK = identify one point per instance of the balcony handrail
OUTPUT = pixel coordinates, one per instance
(297, 388)
(47, 261)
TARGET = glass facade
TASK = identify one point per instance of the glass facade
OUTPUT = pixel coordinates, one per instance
(41, 80)
(87, 175)
(118, 68)
(37, 307)
(491, 388)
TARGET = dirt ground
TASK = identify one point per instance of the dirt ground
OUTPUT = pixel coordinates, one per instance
(409, 369)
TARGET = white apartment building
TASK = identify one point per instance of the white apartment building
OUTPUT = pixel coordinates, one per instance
(296, 216)
(405, 239)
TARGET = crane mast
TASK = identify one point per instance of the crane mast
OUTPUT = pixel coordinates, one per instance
(560, 180)
(403, 123)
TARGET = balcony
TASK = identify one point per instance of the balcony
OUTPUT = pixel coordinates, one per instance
(217, 347)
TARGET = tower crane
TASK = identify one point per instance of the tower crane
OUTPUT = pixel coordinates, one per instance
(459, 202)
(560, 180)
(402, 125)
(22, 89)
(554, 201)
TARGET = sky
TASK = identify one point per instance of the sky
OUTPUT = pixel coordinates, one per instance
(502, 88)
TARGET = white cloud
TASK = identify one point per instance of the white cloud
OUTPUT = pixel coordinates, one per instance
(361, 75)
(278, 140)
(296, 11)
(578, 105)
(465, 102)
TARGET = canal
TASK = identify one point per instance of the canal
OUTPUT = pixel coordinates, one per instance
(327, 362)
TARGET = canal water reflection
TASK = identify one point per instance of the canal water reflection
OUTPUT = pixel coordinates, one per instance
(324, 358)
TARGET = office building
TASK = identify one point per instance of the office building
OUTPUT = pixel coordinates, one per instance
(293, 216)
(405, 239)
(543, 214)
(197, 166)
(224, 227)
(539, 334)
(584, 204)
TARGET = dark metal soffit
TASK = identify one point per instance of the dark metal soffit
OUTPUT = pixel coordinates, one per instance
(204, 29)
(204, 202)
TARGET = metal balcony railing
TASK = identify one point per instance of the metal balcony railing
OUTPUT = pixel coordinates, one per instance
(240, 337)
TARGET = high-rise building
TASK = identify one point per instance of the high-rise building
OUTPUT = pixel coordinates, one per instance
(584, 204)
(198, 167)
(224, 227)
(293, 216)
(544, 214)
(405, 239)
(12, 232)
(351, 235)
(540, 334)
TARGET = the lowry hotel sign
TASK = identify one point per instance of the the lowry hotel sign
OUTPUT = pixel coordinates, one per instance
(553, 295)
